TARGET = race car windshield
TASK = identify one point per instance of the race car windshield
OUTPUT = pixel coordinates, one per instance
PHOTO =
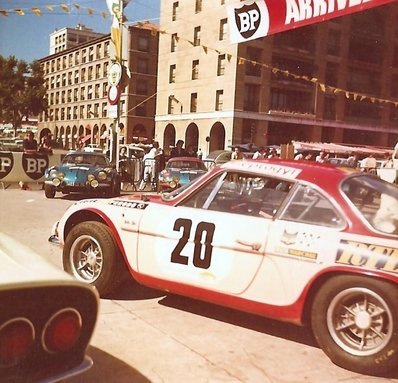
(376, 200)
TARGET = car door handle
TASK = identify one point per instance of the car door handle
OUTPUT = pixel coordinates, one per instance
(254, 245)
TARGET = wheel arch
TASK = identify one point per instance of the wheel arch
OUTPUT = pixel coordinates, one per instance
(321, 279)
(97, 216)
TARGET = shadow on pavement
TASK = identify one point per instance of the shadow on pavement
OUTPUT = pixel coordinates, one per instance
(238, 318)
(131, 290)
(107, 368)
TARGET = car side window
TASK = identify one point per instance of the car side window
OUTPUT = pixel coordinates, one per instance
(250, 195)
(309, 206)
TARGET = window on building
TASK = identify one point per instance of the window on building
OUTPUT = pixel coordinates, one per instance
(251, 97)
(75, 112)
(253, 65)
(175, 9)
(91, 54)
(76, 76)
(107, 50)
(97, 90)
(222, 35)
(198, 6)
(98, 51)
(84, 56)
(69, 97)
(105, 69)
(143, 43)
(174, 40)
(142, 65)
(219, 99)
(83, 75)
(194, 102)
(221, 65)
(142, 87)
(90, 92)
(76, 94)
(172, 73)
(90, 73)
(82, 93)
(170, 104)
(70, 74)
(104, 109)
(196, 36)
(195, 69)
(98, 71)
(81, 112)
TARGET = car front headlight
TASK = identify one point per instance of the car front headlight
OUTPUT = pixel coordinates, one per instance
(54, 173)
(102, 176)
(90, 177)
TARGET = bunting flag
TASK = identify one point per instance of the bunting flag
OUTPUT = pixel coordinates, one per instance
(64, 7)
(36, 11)
(19, 12)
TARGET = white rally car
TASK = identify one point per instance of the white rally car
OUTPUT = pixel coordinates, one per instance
(290, 240)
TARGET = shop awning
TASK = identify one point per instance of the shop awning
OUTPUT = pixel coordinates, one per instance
(86, 138)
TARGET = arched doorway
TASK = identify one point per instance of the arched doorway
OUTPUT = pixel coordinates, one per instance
(192, 136)
(217, 137)
(169, 138)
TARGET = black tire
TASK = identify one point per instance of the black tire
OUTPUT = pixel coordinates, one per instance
(49, 191)
(355, 321)
(115, 189)
(91, 255)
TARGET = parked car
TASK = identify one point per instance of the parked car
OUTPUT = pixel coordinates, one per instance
(82, 172)
(92, 148)
(307, 243)
(47, 318)
(217, 157)
(180, 171)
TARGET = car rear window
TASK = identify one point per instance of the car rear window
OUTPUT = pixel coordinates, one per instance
(376, 201)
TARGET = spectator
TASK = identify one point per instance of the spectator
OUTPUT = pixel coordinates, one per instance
(236, 154)
(45, 145)
(261, 153)
(273, 153)
(352, 160)
(190, 151)
(149, 169)
(321, 157)
(199, 154)
(29, 143)
(369, 164)
(178, 150)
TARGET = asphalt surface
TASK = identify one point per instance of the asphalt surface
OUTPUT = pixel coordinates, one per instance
(143, 335)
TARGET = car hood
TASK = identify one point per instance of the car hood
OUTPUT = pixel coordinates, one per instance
(19, 264)
(83, 167)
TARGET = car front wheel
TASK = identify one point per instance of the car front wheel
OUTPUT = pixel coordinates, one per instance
(355, 321)
(49, 191)
(91, 255)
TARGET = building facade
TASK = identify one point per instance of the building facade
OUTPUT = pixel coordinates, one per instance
(77, 90)
(334, 81)
(65, 38)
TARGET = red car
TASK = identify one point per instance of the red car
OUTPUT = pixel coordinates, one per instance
(296, 241)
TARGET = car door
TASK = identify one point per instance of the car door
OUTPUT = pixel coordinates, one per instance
(218, 245)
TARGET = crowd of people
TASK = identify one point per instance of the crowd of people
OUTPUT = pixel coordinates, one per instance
(30, 144)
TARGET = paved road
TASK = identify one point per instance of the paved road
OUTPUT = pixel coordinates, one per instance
(146, 336)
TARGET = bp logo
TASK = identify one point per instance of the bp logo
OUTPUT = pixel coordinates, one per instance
(251, 20)
(34, 165)
(6, 164)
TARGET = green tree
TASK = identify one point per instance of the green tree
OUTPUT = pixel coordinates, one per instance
(22, 90)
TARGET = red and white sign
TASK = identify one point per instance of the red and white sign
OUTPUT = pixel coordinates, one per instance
(252, 19)
(113, 94)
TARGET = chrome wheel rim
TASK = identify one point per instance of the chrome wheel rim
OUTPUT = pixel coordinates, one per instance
(86, 258)
(360, 321)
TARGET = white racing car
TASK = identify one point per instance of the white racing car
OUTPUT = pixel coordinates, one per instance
(290, 240)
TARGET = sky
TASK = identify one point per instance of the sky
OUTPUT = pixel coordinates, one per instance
(27, 37)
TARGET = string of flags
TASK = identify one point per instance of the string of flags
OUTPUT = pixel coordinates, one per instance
(39, 11)
(325, 88)
(277, 71)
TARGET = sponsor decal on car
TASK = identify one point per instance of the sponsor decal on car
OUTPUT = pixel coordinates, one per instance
(369, 256)
(269, 169)
(296, 244)
(129, 204)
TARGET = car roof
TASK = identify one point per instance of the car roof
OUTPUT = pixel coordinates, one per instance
(191, 159)
(323, 175)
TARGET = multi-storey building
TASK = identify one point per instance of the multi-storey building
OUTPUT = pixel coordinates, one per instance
(77, 89)
(334, 81)
(65, 38)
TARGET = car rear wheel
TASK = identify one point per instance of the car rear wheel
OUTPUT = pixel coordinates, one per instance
(91, 255)
(49, 191)
(355, 321)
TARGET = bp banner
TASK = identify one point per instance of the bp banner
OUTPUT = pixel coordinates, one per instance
(251, 19)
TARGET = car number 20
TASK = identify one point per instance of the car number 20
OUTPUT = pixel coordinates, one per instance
(204, 229)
